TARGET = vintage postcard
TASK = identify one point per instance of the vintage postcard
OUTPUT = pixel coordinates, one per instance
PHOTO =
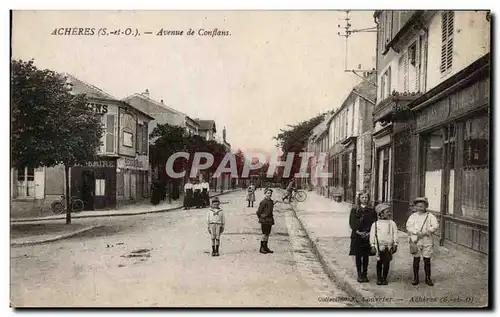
(313, 158)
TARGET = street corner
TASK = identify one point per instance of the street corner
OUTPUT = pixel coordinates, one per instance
(31, 234)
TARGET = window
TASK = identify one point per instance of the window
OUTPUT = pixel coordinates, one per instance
(110, 133)
(26, 182)
(145, 139)
(433, 168)
(475, 183)
(100, 187)
(412, 54)
(127, 139)
(411, 67)
(385, 80)
(383, 157)
(447, 21)
(388, 27)
(138, 139)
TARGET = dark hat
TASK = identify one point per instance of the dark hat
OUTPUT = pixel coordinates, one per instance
(421, 200)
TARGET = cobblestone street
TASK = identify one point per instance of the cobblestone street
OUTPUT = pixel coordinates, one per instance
(164, 260)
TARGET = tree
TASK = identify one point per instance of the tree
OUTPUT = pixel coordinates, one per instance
(50, 125)
(168, 139)
(294, 139)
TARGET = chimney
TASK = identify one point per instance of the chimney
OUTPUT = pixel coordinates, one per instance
(146, 93)
(161, 101)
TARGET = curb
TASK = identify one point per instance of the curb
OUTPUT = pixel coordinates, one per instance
(109, 215)
(56, 238)
(334, 272)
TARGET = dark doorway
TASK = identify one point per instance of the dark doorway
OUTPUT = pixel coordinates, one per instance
(402, 177)
(88, 189)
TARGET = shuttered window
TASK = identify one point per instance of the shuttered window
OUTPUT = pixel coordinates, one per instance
(386, 84)
(110, 133)
(447, 26)
(405, 72)
(145, 143)
(138, 139)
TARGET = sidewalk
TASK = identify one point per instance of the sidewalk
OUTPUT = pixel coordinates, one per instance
(459, 278)
(129, 210)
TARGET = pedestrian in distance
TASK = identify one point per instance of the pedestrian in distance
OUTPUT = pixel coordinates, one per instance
(205, 194)
(250, 195)
(384, 241)
(188, 195)
(360, 220)
(198, 201)
(420, 226)
(266, 220)
(216, 222)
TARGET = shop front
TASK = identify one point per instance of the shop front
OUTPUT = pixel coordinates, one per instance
(95, 184)
(453, 167)
(133, 179)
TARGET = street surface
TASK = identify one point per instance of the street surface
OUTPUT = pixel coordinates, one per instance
(164, 259)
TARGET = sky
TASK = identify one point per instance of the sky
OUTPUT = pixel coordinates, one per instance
(274, 69)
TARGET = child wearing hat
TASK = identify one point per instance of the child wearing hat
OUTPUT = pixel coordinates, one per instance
(420, 226)
(216, 222)
(384, 241)
(266, 220)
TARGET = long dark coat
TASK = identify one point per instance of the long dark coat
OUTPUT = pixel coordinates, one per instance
(361, 219)
(265, 211)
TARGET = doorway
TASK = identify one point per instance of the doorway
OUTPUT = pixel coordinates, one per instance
(88, 190)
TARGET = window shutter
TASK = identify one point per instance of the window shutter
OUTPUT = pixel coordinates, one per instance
(145, 138)
(388, 82)
(405, 71)
(417, 64)
(447, 27)
(138, 137)
(449, 50)
(110, 133)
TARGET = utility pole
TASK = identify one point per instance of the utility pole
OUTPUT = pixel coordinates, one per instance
(347, 31)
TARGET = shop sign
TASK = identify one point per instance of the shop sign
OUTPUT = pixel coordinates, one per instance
(132, 163)
(433, 114)
(469, 98)
(98, 108)
(101, 163)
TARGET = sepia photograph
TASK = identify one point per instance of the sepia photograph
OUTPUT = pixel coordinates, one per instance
(250, 158)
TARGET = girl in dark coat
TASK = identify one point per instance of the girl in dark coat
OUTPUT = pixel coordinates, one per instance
(362, 217)
(266, 220)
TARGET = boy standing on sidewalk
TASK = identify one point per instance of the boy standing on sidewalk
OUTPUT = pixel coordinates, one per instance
(384, 241)
(420, 226)
(216, 222)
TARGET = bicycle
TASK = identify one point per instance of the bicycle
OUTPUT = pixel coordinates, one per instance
(298, 195)
(57, 207)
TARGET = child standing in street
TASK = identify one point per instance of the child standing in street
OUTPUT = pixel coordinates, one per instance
(266, 220)
(384, 241)
(360, 220)
(216, 222)
(251, 194)
(420, 226)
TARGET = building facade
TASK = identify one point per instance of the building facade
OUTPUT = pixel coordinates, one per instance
(432, 119)
(162, 113)
(350, 129)
(119, 175)
(318, 144)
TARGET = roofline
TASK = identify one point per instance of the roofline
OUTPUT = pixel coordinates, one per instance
(140, 111)
(111, 97)
(154, 102)
(362, 96)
